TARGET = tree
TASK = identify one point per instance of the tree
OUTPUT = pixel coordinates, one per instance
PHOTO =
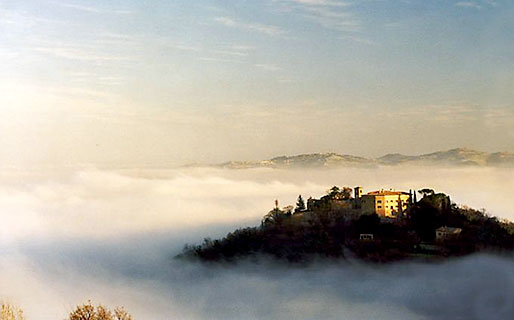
(426, 192)
(10, 312)
(88, 312)
(121, 314)
(274, 217)
(300, 204)
(288, 210)
(333, 192)
(346, 193)
(423, 219)
(337, 193)
(368, 223)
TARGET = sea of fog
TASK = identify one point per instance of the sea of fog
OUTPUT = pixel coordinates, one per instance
(74, 234)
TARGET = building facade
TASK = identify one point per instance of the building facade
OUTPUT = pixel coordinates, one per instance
(384, 203)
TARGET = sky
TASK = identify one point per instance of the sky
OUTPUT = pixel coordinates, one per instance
(157, 83)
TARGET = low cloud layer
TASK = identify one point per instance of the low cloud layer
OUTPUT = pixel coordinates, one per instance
(111, 235)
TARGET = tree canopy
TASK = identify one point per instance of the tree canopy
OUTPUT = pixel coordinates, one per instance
(426, 192)
(11, 312)
(89, 312)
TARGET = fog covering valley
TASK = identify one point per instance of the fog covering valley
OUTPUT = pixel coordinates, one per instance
(110, 236)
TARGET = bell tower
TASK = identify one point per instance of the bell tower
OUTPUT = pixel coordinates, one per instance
(357, 202)
(357, 192)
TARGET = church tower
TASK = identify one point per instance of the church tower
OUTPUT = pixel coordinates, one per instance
(357, 192)
(357, 202)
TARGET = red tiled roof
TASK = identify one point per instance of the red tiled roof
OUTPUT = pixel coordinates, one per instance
(386, 193)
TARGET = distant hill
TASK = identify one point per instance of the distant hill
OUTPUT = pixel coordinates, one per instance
(456, 157)
(453, 157)
(313, 160)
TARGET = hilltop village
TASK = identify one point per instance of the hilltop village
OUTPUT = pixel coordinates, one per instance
(379, 226)
(384, 203)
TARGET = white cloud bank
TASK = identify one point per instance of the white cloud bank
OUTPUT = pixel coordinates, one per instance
(96, 203)
(109, 236)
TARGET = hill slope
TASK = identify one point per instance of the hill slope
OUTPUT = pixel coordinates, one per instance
(305, 235)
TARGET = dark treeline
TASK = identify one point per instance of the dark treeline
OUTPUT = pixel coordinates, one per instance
(299, 236)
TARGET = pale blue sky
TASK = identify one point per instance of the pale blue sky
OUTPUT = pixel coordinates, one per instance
(181, 81)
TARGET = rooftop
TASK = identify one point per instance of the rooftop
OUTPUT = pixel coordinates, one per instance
(386, 193)
(449, 229)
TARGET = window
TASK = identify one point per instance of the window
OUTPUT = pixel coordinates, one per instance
(380, 207)
(392, 207)
(379, 201)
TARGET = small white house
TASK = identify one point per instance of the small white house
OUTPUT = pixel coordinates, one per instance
(445, 233)
(366, 236)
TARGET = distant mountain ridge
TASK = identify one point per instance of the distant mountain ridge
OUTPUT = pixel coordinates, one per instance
(452, 157)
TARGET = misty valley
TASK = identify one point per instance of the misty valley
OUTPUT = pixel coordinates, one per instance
(111, 237)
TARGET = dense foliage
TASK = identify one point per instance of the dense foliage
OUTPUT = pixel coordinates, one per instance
(304, 235)
(10, 312)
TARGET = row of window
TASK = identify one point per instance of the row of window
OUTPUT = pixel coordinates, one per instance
(403, 204)
(380, 201)
(392, 207)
